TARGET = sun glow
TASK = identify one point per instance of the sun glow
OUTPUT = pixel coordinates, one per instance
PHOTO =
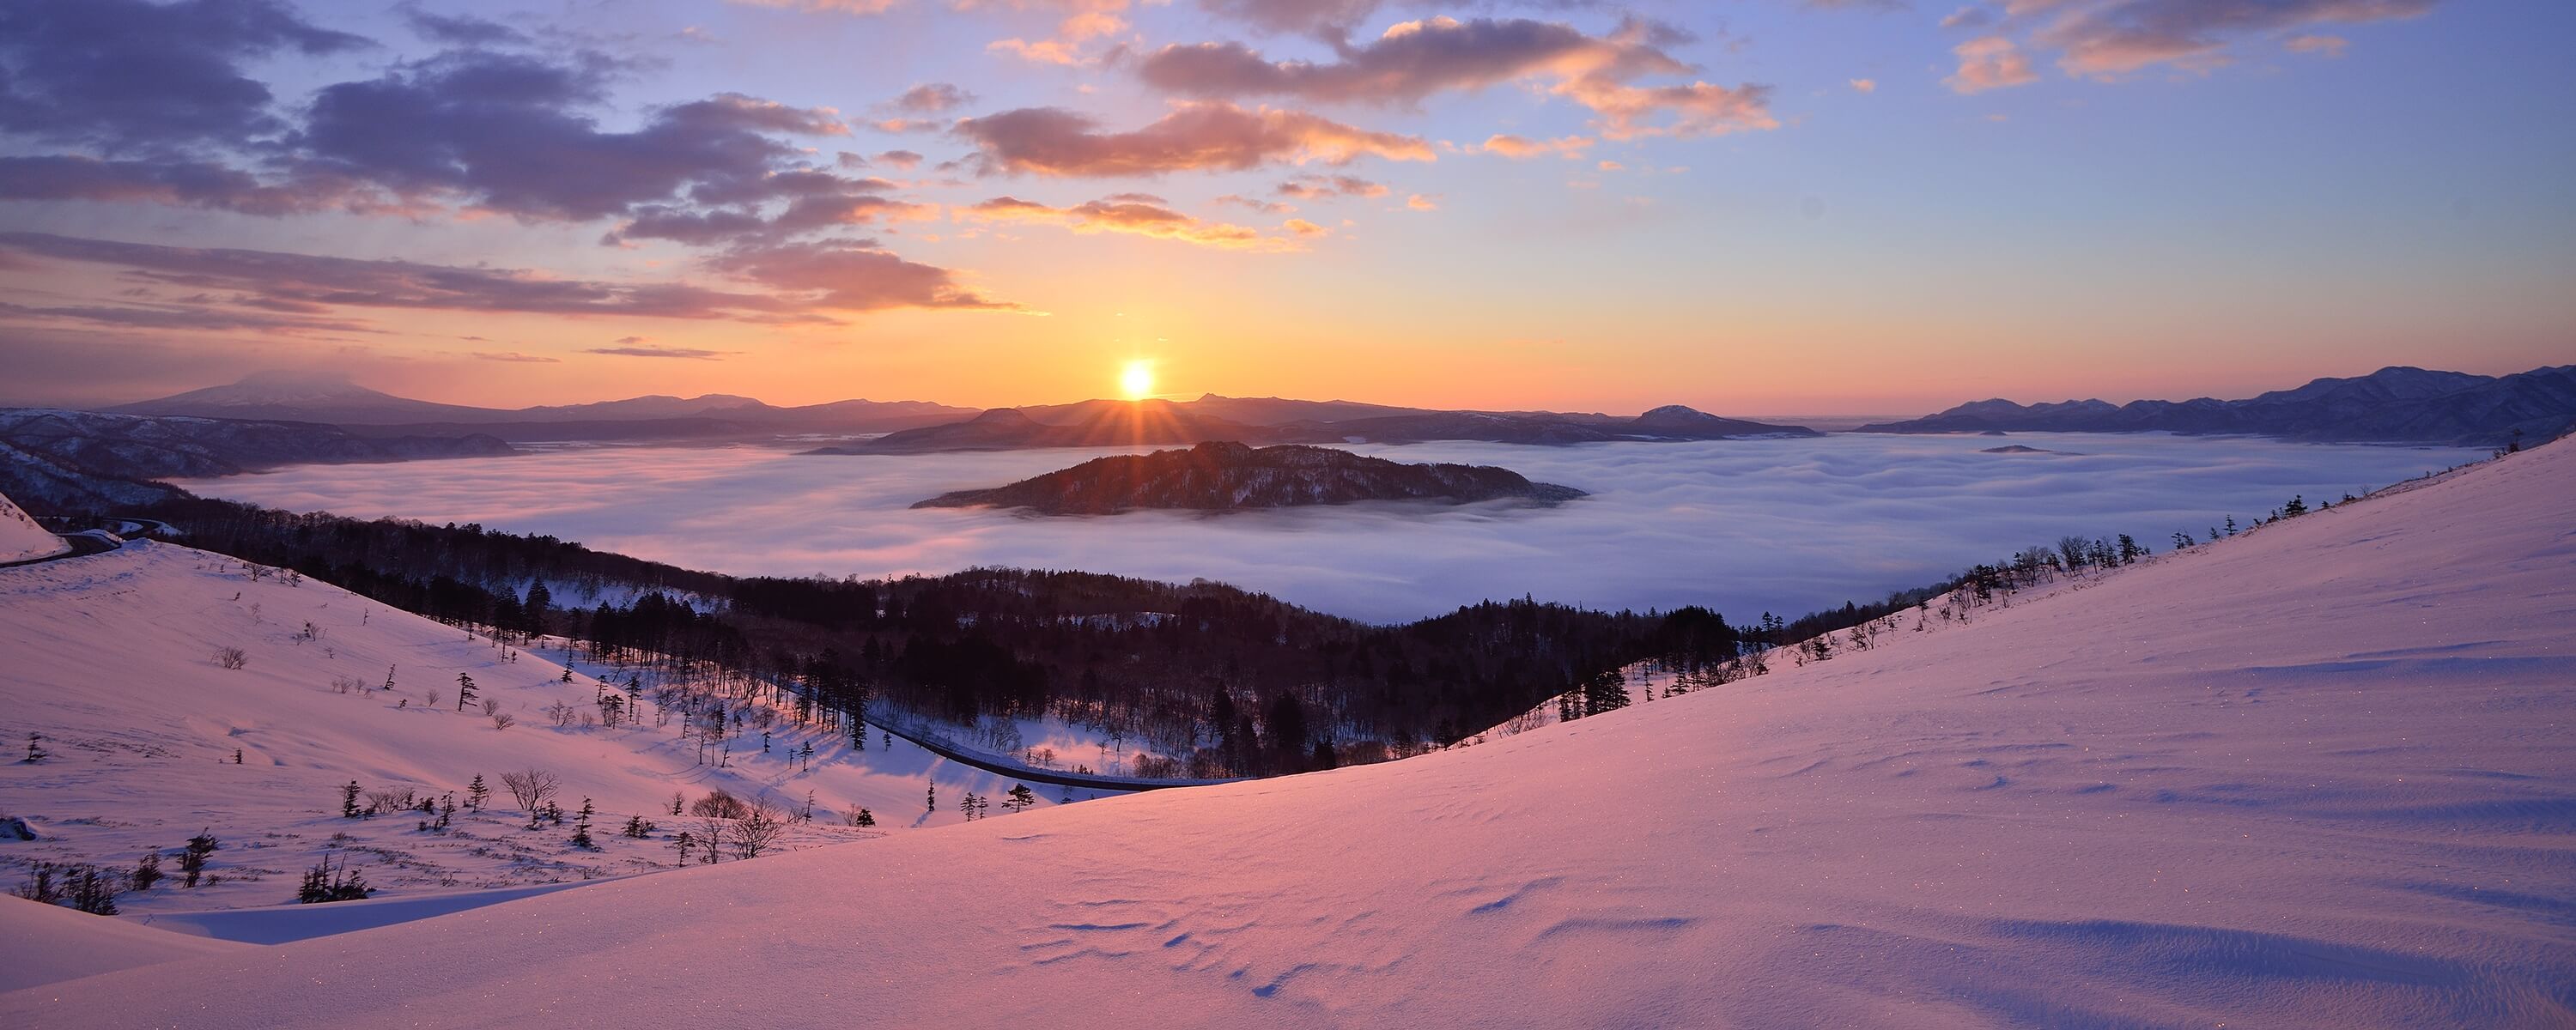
(1137, 380)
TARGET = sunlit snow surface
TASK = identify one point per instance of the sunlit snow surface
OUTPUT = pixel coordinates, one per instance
(2323, 775)
(1788, 526)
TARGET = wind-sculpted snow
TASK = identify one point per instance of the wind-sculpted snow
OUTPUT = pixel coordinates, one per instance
(2314, 776)
(1741, 526)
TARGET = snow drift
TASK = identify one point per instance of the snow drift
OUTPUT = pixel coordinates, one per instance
(2320, 775)
(21, 539)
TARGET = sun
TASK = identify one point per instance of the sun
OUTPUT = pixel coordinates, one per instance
(1137, 380)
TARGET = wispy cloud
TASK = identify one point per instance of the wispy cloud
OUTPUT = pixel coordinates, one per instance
(1131, 214)
(1207, 136)
(635, 347)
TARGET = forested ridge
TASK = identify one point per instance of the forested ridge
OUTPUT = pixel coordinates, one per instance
(1218, 680)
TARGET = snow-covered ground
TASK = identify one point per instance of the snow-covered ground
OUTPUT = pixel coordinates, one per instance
(2323, 775)
(112, 660)
(21, 539)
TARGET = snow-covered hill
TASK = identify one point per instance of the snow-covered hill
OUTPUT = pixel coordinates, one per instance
(21, 539)
(114, 661)
(2323, 775)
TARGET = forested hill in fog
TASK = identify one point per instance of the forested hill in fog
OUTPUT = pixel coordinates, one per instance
(1225, 476)
(2393, 405)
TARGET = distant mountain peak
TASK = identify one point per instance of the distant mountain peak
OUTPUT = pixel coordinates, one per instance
(2397, 404)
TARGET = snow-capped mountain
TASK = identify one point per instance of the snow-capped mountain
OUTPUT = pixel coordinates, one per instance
(2318, 775)
(297, 396)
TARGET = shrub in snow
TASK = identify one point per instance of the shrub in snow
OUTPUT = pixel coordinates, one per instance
(231, 657)
(322, 883)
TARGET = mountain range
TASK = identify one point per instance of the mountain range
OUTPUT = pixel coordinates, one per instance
(1226, 476)
(1161, 422)
(2399, 404)
(332, 398)
(59, 458)
(915, 427)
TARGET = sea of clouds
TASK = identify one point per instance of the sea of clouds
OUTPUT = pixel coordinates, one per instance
(1787, 526)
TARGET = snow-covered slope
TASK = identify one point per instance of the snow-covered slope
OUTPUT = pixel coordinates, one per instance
(112, 660)
(21, 539)
(49, 944)
(2321, 775)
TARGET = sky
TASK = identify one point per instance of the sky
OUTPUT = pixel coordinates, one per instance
(1757, 206)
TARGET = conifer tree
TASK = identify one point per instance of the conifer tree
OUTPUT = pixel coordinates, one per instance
(192, 859)
(476, 793)
(1020, 798)
(581, 827)
(35, 751)
(464, 690)
(349, 800)
(865, 818)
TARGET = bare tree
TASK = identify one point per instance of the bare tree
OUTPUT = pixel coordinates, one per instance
(531, 787)
(231, 657)
(719, 804)
(503, 720)
(759, 829)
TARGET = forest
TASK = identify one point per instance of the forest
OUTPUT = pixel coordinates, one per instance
(1216, 680)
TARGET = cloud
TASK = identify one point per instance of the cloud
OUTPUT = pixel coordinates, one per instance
(632, 347)
(200, 317)
(2111, 39)
(134, 77)
(516, 357)
(818, 6)
(506, 133)
(1520, 147)
(1205, 136)
(814, 201)
(1416, 59)
(1294, 16)
(1990, 62)
(1086, 23)
(2322, 46)
(1864, 85)
(1129, 213)
(1969, 17)
(1264, 206)
(834, 277)
(1423, 202)
(1303, 227)
(848, 276)
(931, 98)
(460, 30)
(1789, 526)
(180, 183)
(1325, 187)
